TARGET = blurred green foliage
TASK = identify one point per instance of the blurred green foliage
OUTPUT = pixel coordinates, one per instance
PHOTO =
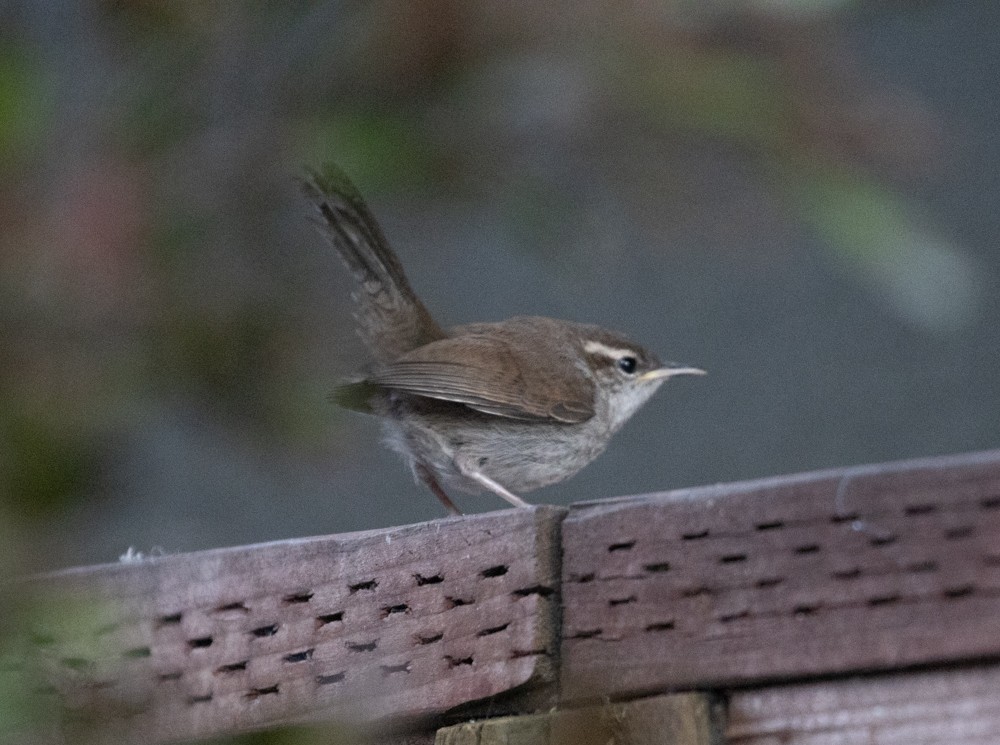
(874, 232)
(45, 464)
(382, 150)
(721, 93)
(218, 357)
(24, 113)
(303, 735)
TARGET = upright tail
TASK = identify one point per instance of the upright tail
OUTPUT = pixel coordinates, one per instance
(391, 319)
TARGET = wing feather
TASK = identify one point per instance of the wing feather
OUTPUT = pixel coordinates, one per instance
(483, 373)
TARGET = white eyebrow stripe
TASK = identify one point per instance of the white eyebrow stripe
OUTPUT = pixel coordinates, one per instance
(595, 347)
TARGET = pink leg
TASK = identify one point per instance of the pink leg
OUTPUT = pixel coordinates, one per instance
(432, 483)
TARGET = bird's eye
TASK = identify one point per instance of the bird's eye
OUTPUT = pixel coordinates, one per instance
(627, 364)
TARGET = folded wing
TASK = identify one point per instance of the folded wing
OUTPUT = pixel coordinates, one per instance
(482, 373)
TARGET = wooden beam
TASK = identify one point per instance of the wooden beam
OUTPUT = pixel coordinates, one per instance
(380, 625)
(919, 708)
(866, 569)
(858, 569)
(682, 719)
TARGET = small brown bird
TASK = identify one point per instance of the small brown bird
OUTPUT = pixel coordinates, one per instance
(506, 407)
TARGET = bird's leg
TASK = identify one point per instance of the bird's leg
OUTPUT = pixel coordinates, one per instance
(425, 475)
(496, 488)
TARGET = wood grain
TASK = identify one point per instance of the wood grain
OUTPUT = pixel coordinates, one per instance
(387, 624)
(862, 569)
(878, 568)
(920, 708)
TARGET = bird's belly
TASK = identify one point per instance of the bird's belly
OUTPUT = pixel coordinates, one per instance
(534, 456)
(520, 456)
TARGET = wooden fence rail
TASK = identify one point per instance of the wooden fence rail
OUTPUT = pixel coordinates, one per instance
(865, 569)
(784, 582)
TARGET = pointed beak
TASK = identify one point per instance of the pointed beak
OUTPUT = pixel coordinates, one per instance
(669, 371)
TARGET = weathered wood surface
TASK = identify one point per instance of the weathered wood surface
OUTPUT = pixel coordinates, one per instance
(861, 569)
(384, 624)
(864, 569)
(918, 708)
(680, 719)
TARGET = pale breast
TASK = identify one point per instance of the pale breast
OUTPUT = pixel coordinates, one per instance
(522, 456)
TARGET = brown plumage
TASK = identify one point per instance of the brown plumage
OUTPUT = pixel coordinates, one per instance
(513, 405)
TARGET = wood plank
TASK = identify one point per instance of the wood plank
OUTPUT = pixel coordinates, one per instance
(387, 624)
(859, 569)
(680, 719)
(926, 708)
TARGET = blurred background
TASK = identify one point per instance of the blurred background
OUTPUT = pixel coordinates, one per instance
(797, 195)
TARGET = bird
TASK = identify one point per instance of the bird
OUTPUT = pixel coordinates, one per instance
(505, 407)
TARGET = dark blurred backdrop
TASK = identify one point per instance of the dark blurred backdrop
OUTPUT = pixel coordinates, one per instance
(797, 195)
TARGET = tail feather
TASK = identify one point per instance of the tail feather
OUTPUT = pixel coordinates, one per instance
(391, 319)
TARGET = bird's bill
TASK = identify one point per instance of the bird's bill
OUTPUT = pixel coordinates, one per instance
(670, 371)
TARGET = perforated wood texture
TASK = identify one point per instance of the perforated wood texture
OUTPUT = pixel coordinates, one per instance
(920, 708)
(864, 569)
(385, 624)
